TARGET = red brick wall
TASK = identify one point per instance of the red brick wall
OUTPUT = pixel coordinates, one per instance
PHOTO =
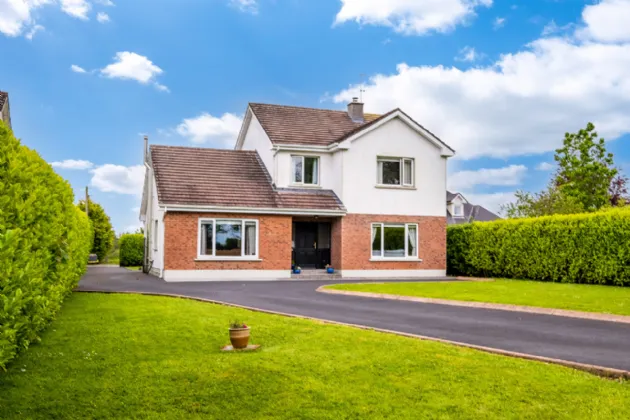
(180, 243)
(352, 243)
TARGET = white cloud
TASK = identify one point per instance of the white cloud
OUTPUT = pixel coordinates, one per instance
(545, 166)
(73, 164)
(77, 69)
(552, 28)
(498, 23)
(521, 104)
(107, 3)
(508, 176)
(119, 179)
(15, 15)
(411, 17)
(34, 29)
(220, 132)
(468, 54)
(132, 66)
(76, 8)
(161, 88)
(492, 201)
(607, 21)
(102, 17)
(247, 6)
(135, 210)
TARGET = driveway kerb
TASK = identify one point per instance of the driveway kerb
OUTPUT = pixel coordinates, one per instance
(602, 371)
(499, 306)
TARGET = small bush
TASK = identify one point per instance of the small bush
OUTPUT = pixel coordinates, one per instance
(591, 248)
(131, 249)
(44, 244)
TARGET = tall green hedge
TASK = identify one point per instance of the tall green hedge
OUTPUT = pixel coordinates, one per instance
(44, 244)
(131, 249)
(589, 248)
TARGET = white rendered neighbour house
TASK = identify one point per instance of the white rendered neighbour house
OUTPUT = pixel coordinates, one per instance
(308, 187)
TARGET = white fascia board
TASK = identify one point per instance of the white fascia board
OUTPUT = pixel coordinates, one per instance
(302, 148)
(445, 150)
(249, 210)
(244, 127)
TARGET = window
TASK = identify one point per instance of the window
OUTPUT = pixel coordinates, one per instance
(155, 235)
(228, 238)
(394, 240)
(458, 210)
(305, 170)
(395, 171)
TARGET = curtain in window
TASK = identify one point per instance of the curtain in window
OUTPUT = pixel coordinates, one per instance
(376, 241)
(413, 239)
(206, 239)
(408, 170)
(297, 168)
(380, 172)
(250, 238)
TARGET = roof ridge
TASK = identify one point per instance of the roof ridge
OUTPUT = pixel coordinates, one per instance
(301, 107)
(165, 146)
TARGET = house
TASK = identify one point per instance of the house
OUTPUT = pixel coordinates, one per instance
(364, 193)
(5, 114)
(459, 210)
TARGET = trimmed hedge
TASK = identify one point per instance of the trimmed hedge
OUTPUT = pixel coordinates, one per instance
(131, 249)
(592, 248)
(44, 244)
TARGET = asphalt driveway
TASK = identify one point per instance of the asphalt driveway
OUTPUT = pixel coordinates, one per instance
(592, 342)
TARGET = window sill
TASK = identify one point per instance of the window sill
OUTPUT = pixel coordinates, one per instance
(396, 187)
(408, 259)
(201, 258)
(305, 186)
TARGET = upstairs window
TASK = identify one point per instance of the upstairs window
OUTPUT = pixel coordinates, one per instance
(458, 210)
(395, 171)
(305, 170)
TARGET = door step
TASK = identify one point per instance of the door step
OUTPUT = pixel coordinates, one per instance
(315, 275)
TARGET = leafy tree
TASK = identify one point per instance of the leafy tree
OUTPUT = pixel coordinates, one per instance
(618, 191)
(547, 202)
(585, 168)
(103, 232)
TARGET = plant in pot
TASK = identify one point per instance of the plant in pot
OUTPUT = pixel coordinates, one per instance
(329, 269)
(297, 269)
(239, 334)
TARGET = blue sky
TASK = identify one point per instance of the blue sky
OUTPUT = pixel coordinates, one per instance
(500, 81)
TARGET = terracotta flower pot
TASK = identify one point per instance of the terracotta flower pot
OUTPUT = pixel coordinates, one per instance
(239, 337)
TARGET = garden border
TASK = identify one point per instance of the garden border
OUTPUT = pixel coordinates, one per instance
(605, 372)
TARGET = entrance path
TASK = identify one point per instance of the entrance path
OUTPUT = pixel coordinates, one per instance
(591, 342)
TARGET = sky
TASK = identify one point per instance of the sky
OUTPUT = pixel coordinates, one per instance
(499, 81)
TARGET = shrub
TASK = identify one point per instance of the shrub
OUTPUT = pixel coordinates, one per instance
(44, 244)
(103, 233)
(131, 249)
(581, 248)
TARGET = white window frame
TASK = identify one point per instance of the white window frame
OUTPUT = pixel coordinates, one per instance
(382, 257)
(155, 234)
(455, 212)
(401, 161)
(214, 257)
(319, 171)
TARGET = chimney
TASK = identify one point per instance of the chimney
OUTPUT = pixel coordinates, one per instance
(355, 111)
(146, 149)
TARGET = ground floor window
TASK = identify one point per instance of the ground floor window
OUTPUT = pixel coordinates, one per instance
(228, 238)
(390, 240)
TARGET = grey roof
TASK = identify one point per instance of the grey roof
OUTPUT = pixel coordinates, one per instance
(472, 213)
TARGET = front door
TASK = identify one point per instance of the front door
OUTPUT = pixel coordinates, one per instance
(306, 245)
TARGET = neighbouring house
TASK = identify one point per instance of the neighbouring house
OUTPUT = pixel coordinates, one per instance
(307, 187)
(459, 210)
(5, 112)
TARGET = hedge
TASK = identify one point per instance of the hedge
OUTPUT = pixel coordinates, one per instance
(592, 248)
(131, 249)
(44, 244)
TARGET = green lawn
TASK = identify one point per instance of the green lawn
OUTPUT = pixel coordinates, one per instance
(125, 356)
(578, 297)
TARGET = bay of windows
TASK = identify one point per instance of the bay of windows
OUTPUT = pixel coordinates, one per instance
(305, 170)
(228, 238)
(390, 240)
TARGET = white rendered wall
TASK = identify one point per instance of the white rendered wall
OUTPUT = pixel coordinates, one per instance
(394, 139)
(156, 254)
(257, 139)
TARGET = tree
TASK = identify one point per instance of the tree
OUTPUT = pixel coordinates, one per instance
(103, 232)
(585, 169)
(618, 191)
(547, 202)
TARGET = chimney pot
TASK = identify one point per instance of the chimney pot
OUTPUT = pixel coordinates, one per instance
(355, 111)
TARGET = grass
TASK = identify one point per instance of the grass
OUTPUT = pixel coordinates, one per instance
(134, 268)
(126, 356)
(578, 297)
